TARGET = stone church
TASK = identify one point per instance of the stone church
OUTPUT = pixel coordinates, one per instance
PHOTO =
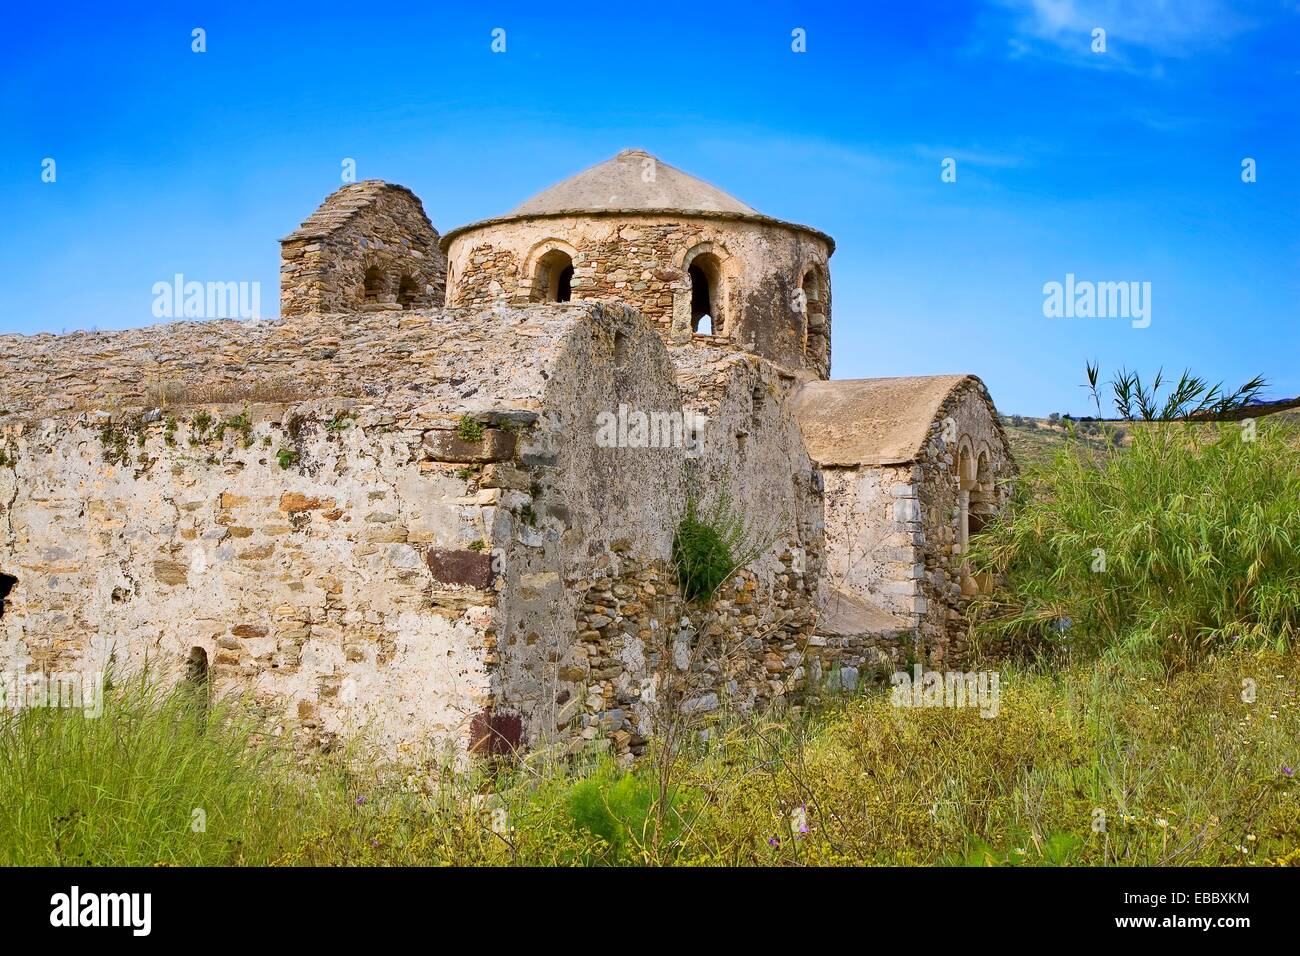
(393, 511)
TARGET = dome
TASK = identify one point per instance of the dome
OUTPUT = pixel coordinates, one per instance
(632, 181)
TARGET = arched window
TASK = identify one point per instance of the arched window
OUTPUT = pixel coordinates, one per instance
(982, 505)
(705, 274)
(814, 303)
(554, 279)
(373, 284)
(408, 290)
(966, 470)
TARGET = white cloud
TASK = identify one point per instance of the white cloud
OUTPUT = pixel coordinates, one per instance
(1139, 33)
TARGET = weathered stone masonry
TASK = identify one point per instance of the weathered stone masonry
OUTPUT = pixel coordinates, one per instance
(369, 246)
(911, 468)
(636, 230)
(361, 559)
(380, 515)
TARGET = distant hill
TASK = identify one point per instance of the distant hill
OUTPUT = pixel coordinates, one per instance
(1039, 438)
(1035, 439)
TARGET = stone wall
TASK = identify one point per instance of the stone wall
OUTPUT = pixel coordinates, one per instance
(593, 562)
(369, 246)
(427, 364)
(644, 261)
(970, 416)
(424, 545)
(296, 549)
(869, 515)
(894, 530)
(330, 554)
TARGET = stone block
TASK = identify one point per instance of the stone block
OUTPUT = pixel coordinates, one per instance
(444, 444)
(471, 569)
(171, 572)
(502, 475)
(294, 502)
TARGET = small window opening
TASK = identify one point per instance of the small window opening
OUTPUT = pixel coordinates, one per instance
(705, 274)
(554, 279)
(966, 472)
(701, 303)
(407, 292)
(196, 667)
(982, 501)
(374, 283)
(814, 300)
(7, 584)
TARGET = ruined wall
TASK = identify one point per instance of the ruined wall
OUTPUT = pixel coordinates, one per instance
(968, 414)
(894, 530)
(587, 509)
(644, 261)
(330, 554)
(361, 559)
(369, 246)
(296, 549)
(873, 517)
(591, 566)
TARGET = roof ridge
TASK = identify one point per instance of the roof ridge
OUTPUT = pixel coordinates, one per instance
(340, 206)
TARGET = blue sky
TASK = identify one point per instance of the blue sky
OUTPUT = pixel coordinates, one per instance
(1115, 166)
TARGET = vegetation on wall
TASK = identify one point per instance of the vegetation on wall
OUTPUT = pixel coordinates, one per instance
(709, 548)
(469, 430)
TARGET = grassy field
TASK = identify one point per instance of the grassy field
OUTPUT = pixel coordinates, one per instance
(1147, 713)
(1083, 764)
(1035, 440)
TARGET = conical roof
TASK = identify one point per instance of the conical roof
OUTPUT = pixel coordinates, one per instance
(633, 180)
(633, 183)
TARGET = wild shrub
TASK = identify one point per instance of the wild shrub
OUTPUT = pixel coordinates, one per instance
(620, 809)
(469, 430)
(708, 549)
(1185, 540)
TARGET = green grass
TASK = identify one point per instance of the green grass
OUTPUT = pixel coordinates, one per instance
(131, 786)
(1183, 769)
(1183, 541)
